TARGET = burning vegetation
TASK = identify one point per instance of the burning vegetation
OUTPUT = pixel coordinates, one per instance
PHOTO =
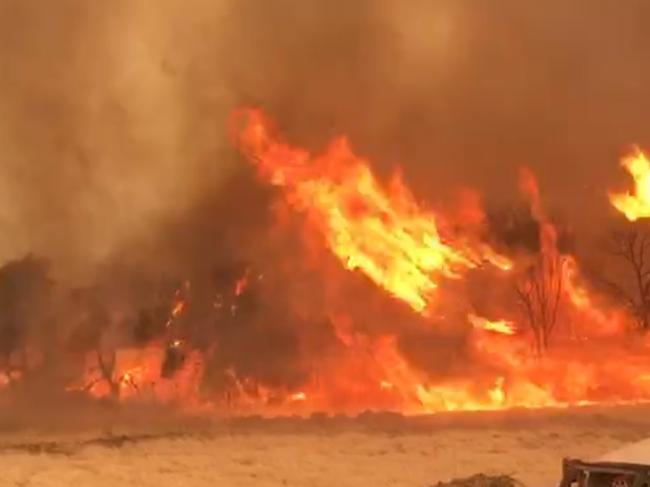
(365, 298)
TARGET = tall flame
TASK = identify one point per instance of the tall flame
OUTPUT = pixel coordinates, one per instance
(635, 205)
(382, 232)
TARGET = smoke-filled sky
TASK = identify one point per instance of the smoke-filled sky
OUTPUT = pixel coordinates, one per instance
(113, 115)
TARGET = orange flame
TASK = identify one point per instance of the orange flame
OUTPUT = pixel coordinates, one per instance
(178, 308)
(379, 231)
(298, 396)
(178, 305)
(504, 327)
(635, 205)
(405, 249)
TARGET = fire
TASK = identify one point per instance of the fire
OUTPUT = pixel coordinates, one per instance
(497, 260)
(607, 321)
(178, 308)
(497, 394)
(525, 348)
(298, 396)
(136, 376)
(635, 205)
(404, 249)
(504, 327)
(380, 231)
(179, 304)
(242, 283)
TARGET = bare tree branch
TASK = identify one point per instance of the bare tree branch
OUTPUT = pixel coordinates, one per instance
(540, 295)
(631, 246)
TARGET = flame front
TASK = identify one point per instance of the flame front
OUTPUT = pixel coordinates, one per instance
(527, 347)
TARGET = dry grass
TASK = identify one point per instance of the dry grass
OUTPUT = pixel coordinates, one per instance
(372, 450)
(482, 480)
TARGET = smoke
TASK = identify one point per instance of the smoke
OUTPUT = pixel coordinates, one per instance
(116, 166)
(113, 118)
(97, 130)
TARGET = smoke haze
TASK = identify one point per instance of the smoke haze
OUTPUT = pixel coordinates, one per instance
(116, 166)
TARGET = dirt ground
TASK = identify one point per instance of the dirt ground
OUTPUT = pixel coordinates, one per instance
(370, 450)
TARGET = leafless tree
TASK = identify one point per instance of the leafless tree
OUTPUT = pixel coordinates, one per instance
(632, 246)
(106, 369)
(540, 294)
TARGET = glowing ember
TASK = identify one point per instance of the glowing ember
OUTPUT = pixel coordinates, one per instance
(178, 308)
(636, 204)
(179, 304)
(242, 283)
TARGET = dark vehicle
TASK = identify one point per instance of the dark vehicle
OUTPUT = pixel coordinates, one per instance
(627, 467)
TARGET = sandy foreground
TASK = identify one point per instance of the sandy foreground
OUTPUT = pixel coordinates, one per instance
(370, 450)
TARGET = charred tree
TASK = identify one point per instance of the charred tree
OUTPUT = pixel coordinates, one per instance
(631, 246)
(540, 295)
(106, 366)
